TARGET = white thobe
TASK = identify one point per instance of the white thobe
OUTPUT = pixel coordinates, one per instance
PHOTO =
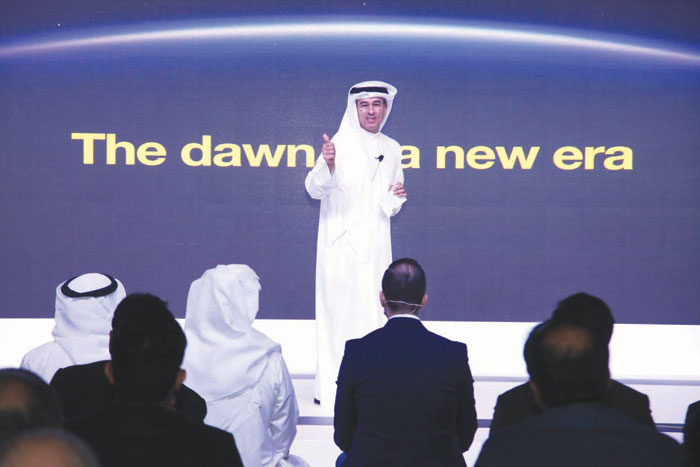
(354, 244)
(262, 419)
(81, 331)
(237, 369)
(48, 358)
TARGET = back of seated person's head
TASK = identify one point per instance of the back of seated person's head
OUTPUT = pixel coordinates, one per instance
(404, 285)
(26, 402)
(567, 363)
(588, 310)
(147, 346)
(47, 447)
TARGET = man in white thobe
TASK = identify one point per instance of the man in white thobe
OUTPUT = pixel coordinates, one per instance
(238, 370)
(84, 309)
(359, 180)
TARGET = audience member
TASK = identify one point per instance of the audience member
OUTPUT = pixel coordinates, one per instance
(240, 371)
(405, 395)
(26, 403)
(47, 448)
(518, 403)
(691, 436)
(85, 389)
(84, 309)
(147, 346)
(568, 367)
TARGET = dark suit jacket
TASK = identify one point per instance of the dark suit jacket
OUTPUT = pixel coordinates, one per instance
(151, 436)
(405, 398)
(691, 435)
(518, 403)
(578, 435)
(84, 389)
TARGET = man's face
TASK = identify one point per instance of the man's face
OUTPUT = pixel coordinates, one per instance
(370, 112)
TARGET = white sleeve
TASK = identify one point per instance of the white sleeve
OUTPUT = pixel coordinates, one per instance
(390, 203)
(285, 414)
(319, 182)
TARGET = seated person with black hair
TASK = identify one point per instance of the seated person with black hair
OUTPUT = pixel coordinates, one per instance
(147, 346)
(26, 403)
(85, 389)
(518, 403)
(568, 368)
(84, 310)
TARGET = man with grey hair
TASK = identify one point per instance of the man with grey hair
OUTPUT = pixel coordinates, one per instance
(568, 367)
(359, 180)
(518, 403)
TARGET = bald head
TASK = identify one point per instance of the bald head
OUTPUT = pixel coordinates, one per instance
(567, 342)
(567, 363)
(588, 310)
(403, 285)
(47, 448)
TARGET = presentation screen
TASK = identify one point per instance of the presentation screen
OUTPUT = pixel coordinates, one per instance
(544, 152)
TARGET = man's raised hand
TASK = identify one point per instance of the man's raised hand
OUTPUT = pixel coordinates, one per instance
(328, 152)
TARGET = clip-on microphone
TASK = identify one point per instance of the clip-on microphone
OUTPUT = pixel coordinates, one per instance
(379, 159)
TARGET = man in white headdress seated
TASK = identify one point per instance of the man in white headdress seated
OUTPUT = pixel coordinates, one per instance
(359, 180)
(238, 370)
(84, 308)
(74, 362)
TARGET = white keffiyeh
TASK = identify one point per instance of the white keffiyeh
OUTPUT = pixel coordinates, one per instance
(225, 355)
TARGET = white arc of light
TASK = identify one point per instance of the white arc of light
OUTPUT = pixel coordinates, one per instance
(465, 33)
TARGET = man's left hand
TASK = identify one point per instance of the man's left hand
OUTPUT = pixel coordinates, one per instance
(398, 189)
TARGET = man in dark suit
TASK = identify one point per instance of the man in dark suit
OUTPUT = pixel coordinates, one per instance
(405, 395)
(143, 429)
(518, 403)
(691, 435)
(84, 389)
(568, 368)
